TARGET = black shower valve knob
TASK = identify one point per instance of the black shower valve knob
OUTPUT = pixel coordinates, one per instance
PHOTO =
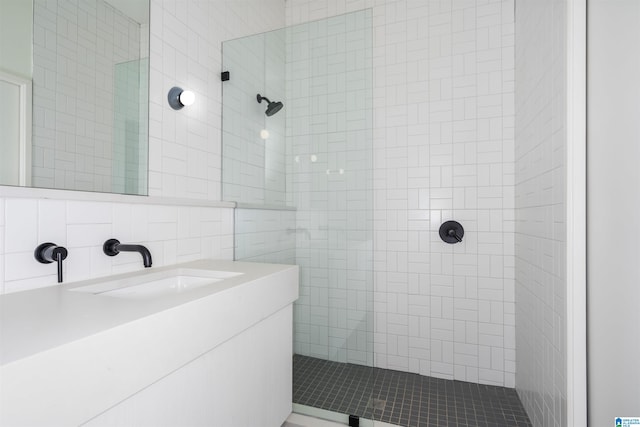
(451, 232)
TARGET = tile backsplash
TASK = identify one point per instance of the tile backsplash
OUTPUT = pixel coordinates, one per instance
(172, 233)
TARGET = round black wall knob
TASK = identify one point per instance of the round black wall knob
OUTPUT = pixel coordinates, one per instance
(451, 232)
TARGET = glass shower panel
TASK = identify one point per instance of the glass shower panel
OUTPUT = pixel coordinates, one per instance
(253, 150)
(305, 189)
(329, 80)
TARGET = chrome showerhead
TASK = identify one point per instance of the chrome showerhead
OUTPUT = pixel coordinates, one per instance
(272, 107)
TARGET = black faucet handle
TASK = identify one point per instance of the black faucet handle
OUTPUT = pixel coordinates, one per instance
(452, 233)
(46, 253)
(59, 253)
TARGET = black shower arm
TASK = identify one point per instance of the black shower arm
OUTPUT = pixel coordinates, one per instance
(260, 98)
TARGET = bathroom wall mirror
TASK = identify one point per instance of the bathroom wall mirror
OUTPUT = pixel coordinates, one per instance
(76, 91)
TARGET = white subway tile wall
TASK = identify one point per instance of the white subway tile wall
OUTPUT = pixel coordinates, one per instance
(186, 51)
(173, 234)
(540, 193)
(265, 235)
(443, 144)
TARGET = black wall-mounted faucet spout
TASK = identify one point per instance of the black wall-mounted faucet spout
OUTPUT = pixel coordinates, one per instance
(113, 247)
(47, 253)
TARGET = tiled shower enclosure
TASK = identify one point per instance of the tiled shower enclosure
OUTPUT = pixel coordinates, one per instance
(439, 146)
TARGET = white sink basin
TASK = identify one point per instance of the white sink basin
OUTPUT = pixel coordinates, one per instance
(158, 284)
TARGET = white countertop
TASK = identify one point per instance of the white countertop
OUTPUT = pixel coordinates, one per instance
(59, 347)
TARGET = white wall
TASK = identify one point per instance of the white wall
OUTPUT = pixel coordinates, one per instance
(540, 193)
(613, 235)
(443, 149)
(184, 161)
(186, 40)
(16, 38)
(10, 130)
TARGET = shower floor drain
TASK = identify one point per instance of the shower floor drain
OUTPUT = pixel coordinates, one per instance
(377, 404)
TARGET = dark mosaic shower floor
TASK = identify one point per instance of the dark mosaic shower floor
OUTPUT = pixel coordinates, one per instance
(402, 398)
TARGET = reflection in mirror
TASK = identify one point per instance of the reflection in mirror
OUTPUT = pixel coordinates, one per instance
(90, 95)
(15, 130)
